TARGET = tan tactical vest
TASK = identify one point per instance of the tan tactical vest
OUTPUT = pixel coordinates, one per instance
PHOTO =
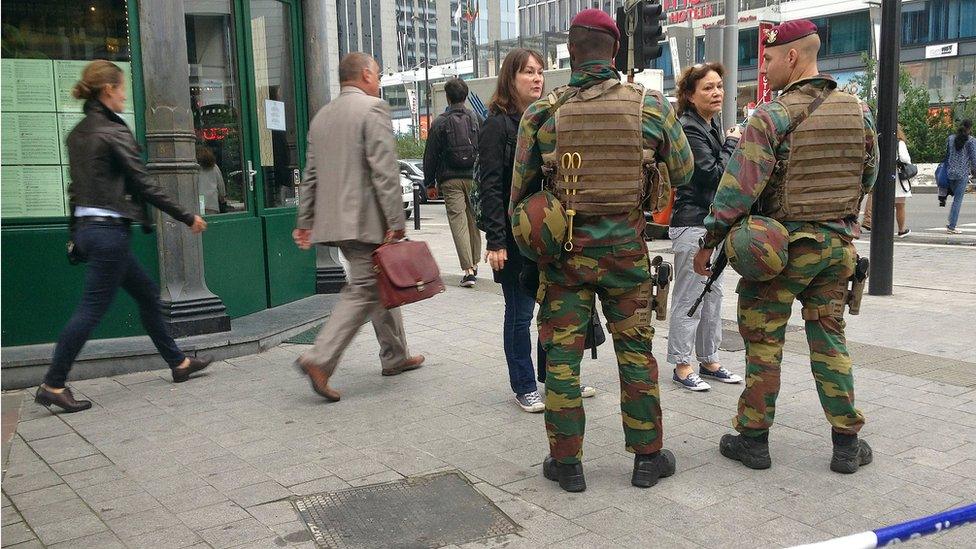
(821, 179)
(598, 164)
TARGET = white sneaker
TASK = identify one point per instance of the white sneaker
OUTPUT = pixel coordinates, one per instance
(953, 231)
(587, 391)
(531, 402)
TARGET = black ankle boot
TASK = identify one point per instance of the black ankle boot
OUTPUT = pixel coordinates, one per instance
(849, 453)
(196, 364)
(753, 452)
(64, 400)
(648, 468)
(569, 475)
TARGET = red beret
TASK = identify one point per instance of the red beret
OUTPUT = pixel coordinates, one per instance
(596, 20)
(787, 32)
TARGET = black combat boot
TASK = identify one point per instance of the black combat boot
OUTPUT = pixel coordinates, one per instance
(650, 467)
(753, 452)
(569, 475)
(849, 453)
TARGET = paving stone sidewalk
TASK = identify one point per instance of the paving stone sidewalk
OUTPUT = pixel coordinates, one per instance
(213, 462)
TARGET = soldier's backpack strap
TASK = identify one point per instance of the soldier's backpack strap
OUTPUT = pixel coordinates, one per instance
(813, 106)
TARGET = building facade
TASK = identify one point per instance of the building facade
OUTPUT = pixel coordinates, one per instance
(938, 36)
(228, 76)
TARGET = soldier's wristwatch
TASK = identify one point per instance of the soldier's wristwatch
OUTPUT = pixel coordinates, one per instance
(701, 242)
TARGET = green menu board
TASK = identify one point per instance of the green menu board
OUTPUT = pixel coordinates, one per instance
(32, 191)
(30, 138)
(12, 201)
(67, 73)
(43, 191)
(38, 113)
(27, 85)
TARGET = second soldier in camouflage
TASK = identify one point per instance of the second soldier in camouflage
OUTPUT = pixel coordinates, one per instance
(804, 162)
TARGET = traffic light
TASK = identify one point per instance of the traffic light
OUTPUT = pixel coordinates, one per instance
(641, 27)
(648, 30)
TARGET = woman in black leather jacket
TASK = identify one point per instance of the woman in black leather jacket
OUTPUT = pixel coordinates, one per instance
(700, 95)
(108, 192)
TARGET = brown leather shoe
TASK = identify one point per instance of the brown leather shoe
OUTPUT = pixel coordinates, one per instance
(319, 380)
(64, 400)
(196, 364)
(411, 363)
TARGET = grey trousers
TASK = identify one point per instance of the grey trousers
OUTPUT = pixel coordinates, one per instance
(460, 216)
(701, 333)
(358, 303)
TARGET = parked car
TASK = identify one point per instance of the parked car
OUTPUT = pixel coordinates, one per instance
(406, 186)
(414, 169)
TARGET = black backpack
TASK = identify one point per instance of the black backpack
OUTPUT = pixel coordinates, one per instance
(461, 148)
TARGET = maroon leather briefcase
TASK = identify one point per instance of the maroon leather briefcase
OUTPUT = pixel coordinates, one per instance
(406, 272)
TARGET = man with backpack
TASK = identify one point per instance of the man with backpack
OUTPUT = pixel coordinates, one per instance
(452, 148)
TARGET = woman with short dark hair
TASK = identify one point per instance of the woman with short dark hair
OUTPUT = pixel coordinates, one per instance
(700, 95)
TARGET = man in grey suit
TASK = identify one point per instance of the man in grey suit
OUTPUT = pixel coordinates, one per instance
(356, 205)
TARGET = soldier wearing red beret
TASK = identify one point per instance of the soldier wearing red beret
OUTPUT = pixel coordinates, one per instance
(803, 164)
(586, 144)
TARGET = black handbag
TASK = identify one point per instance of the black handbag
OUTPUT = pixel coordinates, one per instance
(906, 172)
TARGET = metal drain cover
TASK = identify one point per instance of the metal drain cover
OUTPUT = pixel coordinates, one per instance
(732, 341)
(426, 511)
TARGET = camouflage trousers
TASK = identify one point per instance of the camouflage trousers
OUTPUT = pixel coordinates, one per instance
(620, 275)
(819, 266)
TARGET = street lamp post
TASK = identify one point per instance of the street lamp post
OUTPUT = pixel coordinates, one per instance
(730, 43)
(883, 206)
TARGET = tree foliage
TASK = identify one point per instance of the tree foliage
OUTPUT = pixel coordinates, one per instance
(408, 147)
(926, 128)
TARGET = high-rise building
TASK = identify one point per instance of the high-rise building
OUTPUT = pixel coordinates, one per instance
(367, 26)
(449, 28)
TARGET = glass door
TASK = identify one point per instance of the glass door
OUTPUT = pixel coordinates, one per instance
(278, 120)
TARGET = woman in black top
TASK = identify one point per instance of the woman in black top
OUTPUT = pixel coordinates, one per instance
(520, 82)
(700, 96)
(108, 191)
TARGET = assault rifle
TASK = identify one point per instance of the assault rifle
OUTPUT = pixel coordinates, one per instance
(717, 267)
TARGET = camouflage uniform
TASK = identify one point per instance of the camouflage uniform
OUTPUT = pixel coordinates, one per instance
(820, 261)
(609, 259)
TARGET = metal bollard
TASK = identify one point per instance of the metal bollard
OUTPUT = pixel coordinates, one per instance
(416, 205)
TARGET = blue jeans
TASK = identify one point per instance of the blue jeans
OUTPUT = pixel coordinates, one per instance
(110, 265)
(958, 187)
(517, 341)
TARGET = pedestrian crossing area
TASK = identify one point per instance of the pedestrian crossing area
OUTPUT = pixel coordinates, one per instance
(966, 228)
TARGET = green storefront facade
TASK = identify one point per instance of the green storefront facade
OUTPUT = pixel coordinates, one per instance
(220, 103)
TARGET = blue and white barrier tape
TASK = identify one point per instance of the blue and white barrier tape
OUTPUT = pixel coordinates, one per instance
(898, 533)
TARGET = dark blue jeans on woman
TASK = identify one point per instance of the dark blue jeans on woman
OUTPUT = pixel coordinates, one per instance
(110, 265)
(517, 340)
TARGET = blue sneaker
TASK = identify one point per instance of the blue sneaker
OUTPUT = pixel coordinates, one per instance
(692, 382)
(721, 374)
